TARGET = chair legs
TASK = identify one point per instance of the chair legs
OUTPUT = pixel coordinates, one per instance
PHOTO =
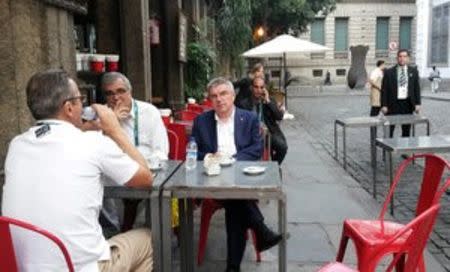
(342, 247)
(258, 254)
(208, 209)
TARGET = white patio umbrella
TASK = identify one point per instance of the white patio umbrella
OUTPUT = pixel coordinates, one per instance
(284, 46)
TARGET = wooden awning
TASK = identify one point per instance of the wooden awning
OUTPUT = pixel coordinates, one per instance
(75, 6)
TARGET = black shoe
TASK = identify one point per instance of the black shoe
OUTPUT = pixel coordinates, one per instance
(405, 156)
(231, 268)
(265, 238)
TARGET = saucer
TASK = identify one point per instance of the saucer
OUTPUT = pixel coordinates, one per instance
(155, 167)
(227, 162)
(254, 170)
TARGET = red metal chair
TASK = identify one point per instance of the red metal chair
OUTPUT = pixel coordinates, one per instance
(174, 145)
(7, 254)
(371, 235)
(186, 115)
(207, 103)
(182, 140)
(408, 243)
(195, 108)
(209, 207)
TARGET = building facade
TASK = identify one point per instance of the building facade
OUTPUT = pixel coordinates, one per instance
(382, 25)
(433, 37)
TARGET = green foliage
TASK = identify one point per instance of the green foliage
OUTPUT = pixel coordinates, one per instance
(199, 67)
(282, 16)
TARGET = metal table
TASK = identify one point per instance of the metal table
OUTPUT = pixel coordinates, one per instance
(421, 144)
(153, 203)
(374, 122)
(232, 183)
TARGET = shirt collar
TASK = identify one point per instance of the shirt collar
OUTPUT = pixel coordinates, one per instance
(229, 118)
(133, 102)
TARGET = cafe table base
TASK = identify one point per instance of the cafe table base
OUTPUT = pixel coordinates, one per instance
(266, 186)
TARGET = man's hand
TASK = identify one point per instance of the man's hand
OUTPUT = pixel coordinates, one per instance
(266, 96)
(384, 110)
(121, 111)
(108, 120)
(417, 108)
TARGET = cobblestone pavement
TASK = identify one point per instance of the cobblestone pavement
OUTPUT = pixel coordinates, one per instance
(318, 114)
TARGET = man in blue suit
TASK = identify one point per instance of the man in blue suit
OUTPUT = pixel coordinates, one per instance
(230, 130)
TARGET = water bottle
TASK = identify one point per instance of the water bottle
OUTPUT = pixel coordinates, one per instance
(191, 154)
(88, 114)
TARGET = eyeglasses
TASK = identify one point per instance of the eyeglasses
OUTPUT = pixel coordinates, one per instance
(82, 98)
(118, 92)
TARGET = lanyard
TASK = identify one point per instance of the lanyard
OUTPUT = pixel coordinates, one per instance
(136, 123)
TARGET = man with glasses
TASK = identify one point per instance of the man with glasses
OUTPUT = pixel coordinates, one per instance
(142, 123)
(268, 114)
(400, 91)
(53, 180)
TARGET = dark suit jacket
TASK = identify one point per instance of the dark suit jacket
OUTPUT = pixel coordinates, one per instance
(390, 86)
(271, 113)
(246, 135)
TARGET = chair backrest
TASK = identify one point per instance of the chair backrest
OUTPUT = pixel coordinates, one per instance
(417, 231)
(186, 115)
(7, 255)
(180, 132)
(432, 175)
(195, 108)
(174, 145)
(207, 103)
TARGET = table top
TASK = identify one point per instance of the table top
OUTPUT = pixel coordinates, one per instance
(385, 120)
(434, 143)
(232, 182)
(160, 177)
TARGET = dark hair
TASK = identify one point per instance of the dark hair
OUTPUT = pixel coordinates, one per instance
(403, 51)
(380, 62)
(258, 77)
(46, 92)
(256, 68)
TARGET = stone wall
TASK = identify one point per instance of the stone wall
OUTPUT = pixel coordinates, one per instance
(34, 37)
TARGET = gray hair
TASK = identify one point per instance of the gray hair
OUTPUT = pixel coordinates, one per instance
(217, 82)
(47, 91)
(111, 77)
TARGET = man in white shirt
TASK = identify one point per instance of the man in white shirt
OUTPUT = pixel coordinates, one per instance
(143, 124)
(53, 180)
(400, 90)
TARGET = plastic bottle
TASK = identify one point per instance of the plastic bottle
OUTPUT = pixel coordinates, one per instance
(191, 154)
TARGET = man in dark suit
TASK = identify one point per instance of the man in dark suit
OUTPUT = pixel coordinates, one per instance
(401, 90)
(268, 114)
(230, 130)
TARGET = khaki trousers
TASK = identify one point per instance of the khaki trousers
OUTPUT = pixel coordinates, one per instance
(130, 251)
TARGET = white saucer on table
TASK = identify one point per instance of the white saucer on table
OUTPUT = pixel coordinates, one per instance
(227, 161)
(254, 170)
(155, 167)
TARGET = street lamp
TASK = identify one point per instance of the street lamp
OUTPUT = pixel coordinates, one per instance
(260, 32)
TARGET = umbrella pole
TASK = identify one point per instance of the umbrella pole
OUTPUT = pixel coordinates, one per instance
(284, 79)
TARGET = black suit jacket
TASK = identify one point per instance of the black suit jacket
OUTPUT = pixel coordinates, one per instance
(271, 113)
(389, 87)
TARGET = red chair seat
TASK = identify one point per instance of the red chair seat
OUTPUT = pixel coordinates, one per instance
(370, 232)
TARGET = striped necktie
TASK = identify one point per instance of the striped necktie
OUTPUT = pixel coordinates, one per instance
(402, 79)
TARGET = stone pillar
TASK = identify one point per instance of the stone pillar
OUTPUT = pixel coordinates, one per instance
(135, 46)
(107, 23)
(34, 37)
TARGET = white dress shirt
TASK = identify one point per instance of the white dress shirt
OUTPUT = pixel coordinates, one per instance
(402, 92)
(225, 135)
(152, 134)
(53, 180)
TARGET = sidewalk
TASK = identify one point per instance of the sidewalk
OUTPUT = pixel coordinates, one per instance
(320, 196)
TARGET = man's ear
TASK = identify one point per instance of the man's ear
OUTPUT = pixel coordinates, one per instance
(67, 108)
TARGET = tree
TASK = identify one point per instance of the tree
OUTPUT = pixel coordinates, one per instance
(283, 16)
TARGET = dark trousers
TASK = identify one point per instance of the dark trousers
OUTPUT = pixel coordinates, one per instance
(279, 147)
(374, 111)
(401, 107)
(239, 216)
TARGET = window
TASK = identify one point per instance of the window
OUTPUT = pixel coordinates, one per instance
(439, 34)
(318, 31)
(340, 72)
(317, 73)
(382, 35)
(405, 32)
(341, 34)
(275, 73)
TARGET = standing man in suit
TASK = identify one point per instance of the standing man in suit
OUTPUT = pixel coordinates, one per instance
(230, 130)
(401, 90)
(268, 114)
